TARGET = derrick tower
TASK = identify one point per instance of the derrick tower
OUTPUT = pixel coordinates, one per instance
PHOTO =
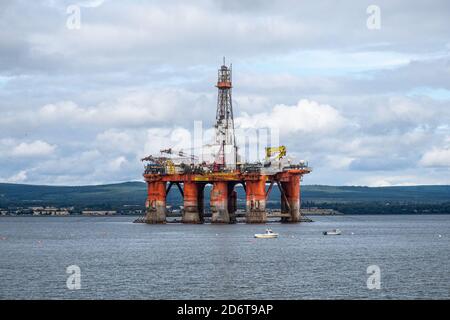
(225, 137)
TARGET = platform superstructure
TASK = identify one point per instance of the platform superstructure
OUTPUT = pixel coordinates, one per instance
(223, 171)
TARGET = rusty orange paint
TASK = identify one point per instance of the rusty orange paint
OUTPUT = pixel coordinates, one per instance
(156, 191)
(291, 189)
(193, 194)
(256, 200)
(229, 176)
(219, 202)
(255, 191)
(156, 201)
(223, 197)
(224, 85)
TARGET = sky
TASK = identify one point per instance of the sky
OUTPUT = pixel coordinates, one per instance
(364, 101)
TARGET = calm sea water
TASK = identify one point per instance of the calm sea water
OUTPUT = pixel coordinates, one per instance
(122, 260)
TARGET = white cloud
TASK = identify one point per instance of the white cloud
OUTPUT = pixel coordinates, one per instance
(33, 149)
(138, 108)
(124, 141)
(404, 110)
(338, 162)
(91, 3)
(387, 180)
(19, 177)
(112, 115)
(117, 163)
(307, 117)
(162, 138)
(436, 158)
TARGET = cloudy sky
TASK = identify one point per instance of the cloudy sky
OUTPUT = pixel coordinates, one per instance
(364, 106)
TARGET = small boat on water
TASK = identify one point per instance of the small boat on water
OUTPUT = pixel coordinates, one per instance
(334, 232)
(268, 235)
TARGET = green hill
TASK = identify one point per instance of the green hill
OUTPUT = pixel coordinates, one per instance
(413, 194)
(128, 193)
(134, 193)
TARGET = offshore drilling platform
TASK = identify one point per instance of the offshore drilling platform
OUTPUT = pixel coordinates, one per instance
(223, 171)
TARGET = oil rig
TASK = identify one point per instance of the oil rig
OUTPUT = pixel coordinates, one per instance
(223, 170)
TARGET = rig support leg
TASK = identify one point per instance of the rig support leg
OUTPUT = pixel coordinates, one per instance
(201, 201)
(193, 194)
(256, 201)
(156, 202)
(292, 193)
(219, 202)
(232, 202)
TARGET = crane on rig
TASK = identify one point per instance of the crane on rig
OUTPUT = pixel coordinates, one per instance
(179, 153)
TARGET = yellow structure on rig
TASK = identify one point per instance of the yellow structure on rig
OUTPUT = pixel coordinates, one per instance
(280, 152)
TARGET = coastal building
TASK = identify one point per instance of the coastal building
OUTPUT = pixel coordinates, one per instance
(98, 212)
(49, 211)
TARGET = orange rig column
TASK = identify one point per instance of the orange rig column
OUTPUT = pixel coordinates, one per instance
(232, 202)
(290, 201)
(219, 202)
(193, 202)
(256, 200)
(156, 202)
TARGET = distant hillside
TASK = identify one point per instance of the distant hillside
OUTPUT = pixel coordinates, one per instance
(134, 193)
(422, 194)
(128, 193)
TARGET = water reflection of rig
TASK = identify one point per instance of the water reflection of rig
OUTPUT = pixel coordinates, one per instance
(222, 168)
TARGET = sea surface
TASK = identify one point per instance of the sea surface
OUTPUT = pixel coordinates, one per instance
(122, 260)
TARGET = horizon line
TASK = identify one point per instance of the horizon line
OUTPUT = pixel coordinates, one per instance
(143, 182)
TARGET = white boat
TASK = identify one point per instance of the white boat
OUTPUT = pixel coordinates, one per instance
(334, 232)
(268, 235)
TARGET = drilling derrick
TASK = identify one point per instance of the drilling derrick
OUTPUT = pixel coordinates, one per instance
(220, 173)
(226, 150)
